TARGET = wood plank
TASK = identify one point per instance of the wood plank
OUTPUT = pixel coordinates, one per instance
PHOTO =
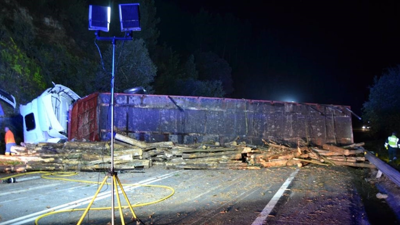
(131, 141)
(205, 155)
(142, 144)
(210, 150)
(353, 164)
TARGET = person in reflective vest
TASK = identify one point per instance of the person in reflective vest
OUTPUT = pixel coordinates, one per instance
(392, 144)
(9, 140)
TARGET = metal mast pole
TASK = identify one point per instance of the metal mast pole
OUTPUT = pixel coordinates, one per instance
(112, 134)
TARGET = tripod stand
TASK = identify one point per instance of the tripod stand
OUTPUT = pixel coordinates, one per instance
(115, 183)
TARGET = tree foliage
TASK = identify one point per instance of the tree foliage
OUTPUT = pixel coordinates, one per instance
(18, 72)
(383, 105)
(192, 78)
(169, 70)
(133, 67)
(192, 87)
(213, 68)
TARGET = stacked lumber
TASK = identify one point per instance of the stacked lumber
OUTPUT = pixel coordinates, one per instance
(130, 154)
(342, 156)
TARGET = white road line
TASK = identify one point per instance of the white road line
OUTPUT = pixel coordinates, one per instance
(74, 204)
(29, 189)
(271, 204)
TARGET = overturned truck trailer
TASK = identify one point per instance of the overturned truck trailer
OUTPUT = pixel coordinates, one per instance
(187, 120)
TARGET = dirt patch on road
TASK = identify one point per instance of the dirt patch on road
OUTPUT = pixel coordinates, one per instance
(331, 195)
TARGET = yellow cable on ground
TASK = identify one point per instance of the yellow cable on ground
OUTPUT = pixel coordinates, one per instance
(57, 175)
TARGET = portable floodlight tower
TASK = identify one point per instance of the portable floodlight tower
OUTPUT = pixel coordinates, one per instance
(99, 20)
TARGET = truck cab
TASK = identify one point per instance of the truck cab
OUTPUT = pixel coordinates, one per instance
(45, 118)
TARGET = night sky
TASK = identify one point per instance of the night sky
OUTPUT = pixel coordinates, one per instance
(325, 52)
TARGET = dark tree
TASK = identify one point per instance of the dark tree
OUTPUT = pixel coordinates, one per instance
(169, 71)
(383, 106)
(189, 85)
(213, 68)
(133, 67)
(148, 23)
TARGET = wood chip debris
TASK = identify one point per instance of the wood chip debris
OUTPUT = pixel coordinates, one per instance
(132, 154)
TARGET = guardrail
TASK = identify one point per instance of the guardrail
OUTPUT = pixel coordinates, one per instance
(389, 171)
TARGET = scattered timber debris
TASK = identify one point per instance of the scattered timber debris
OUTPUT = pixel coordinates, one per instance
(130, 153)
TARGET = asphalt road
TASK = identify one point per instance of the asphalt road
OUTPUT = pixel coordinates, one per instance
(312, 195)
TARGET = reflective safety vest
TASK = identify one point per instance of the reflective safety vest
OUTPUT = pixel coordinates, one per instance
(9, 137)
(392, 141)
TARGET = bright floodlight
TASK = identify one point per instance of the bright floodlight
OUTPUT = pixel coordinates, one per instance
(129, 17)
(99, 18)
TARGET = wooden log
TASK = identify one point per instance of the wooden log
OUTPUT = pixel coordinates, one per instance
(231, 144)
(133, 163)
(176, 152)
(305, 156)
(163, 144)
(19, 150)
(193, 165)
(292, 155)
(44, 166)
(90, 157)
(314, 155)
(354, 164)
(246, 150)
(325, 152)
(346, 159)
(311, 161)
(236, 156)
(331, 153)
(132, 151)
(167, 152)
(12, 168)
(158, 159)
(354, 152)
(208, 159)
(72, 155)
(354, 145)
(333, 148)
(156, 152)
(287, 157)
(294, 162)
(10, 158)
(274, 163)
(100, 145)
(253, 168)
(236, 166)
(50, 145)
